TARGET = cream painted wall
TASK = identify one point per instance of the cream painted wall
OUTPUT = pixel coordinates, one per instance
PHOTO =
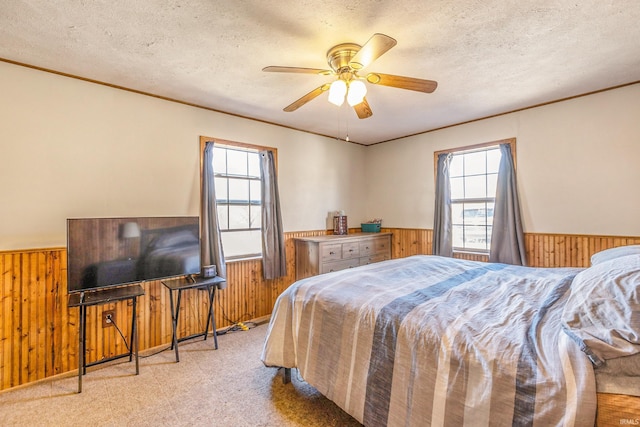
(578, 166)
(71, 148)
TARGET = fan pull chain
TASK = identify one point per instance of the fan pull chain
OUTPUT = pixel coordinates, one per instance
(347, 137)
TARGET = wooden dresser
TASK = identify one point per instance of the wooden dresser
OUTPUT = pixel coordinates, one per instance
(323, 254)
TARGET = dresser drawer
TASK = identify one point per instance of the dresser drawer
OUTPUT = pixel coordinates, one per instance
(331, 252)
(381, 245)
(339, 265)
(376, 245)
(373, 258)
(350, 250)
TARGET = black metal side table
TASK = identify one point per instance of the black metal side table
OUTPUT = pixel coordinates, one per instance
(82, 300)
(192, 282)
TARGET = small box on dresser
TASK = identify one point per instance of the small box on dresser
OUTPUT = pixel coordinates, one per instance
(324, 254)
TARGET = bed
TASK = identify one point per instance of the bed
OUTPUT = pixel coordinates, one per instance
(428, 340)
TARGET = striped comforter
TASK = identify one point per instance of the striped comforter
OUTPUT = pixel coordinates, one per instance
(427, 340)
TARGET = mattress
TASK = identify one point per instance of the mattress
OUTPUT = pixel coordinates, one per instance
(429, 340)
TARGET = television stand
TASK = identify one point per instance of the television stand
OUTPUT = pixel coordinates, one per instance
(84, 299)
(192, 282)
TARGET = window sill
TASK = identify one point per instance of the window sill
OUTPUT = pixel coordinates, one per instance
(469, 252)
(240, 259)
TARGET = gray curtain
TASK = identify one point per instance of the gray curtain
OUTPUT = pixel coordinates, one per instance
(442, 241)
(507, 240)
(274, 263)
(211, 252)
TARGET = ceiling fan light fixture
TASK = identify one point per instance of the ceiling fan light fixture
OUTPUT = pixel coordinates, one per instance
(337, 91)
(346, 60)
(357, 91)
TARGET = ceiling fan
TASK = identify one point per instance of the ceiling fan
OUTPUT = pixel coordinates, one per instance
(346, 61)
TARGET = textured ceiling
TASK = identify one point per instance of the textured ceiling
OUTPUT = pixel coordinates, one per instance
(488, 56)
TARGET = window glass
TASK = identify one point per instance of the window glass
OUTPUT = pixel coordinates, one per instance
(238, 244)
(238, 196)
(474, 214)
(458, 236)
(493, 160)
(473, 178)
(475, 163)
(254, 192)
(223, 216)
(455, 167)
(457, 188)
(475, 186)
(237, 162)
(254, 166)
(492, 183)
(255, 217)
(221, 188)
(238, 191)
(219, 160)
(475, 237)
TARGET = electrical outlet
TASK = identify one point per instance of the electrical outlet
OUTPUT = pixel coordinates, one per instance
(108, 317)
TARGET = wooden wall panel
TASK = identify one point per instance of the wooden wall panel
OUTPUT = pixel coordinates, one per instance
(409, 241)
(33, 341)
(472, 256)
(559, 250)
(38, 333)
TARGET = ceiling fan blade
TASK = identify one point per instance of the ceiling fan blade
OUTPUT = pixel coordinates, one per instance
(306, 98)
(363, 110)
(419, 85)
(373, 49)
(276, 69)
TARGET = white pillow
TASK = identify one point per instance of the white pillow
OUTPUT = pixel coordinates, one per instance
(602, 313)
(612, 253)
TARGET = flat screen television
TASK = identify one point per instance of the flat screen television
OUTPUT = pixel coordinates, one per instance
(106, 252)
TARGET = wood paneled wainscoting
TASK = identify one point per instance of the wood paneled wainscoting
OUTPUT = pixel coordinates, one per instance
(38, 333)
(543, 250)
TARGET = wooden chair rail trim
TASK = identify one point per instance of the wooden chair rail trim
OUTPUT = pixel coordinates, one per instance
(38, 332)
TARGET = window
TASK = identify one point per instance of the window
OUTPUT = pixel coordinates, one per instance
(237, 183)
(473, 175)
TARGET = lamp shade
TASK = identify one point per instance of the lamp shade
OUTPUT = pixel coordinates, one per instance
(130, 230)
(337, 91)
(357, 91)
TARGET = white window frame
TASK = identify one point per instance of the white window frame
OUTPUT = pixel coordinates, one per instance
(224, 229)
(488, 199)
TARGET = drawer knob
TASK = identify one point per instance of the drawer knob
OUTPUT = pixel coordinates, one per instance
(331, 253)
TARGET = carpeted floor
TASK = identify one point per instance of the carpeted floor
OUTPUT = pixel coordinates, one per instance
(225, 387)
